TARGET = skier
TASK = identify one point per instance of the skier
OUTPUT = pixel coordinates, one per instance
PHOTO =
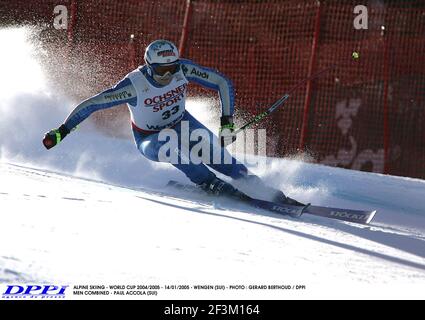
(155, 94)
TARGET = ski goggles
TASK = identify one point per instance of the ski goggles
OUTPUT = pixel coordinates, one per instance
(162, 69)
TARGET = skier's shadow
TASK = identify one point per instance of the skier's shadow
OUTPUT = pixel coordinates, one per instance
(414, 246)
(401, 242)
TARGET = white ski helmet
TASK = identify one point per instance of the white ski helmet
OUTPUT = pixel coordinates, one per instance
(161, 51)
(162, 59)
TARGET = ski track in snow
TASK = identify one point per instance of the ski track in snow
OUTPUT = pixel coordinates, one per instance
(76, 230)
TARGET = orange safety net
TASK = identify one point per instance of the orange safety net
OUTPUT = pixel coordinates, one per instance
(365, 114)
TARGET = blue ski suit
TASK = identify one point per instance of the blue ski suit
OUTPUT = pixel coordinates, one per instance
(154, 107)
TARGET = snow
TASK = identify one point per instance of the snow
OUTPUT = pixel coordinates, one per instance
(94, 211)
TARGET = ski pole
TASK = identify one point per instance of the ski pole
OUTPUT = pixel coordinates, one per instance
(281, 100)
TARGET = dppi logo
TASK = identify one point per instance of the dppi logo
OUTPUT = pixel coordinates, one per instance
(34, 291)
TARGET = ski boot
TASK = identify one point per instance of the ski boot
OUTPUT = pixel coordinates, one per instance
(282, 199)
(275, 194)
(219, 187)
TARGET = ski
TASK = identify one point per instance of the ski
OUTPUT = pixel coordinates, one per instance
(350, 215)
(283, 209)
(357, 216)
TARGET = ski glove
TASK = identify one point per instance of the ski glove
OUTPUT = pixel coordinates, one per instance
(53, 137)
(227, 128)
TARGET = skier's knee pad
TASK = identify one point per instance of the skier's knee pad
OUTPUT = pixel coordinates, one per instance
(148, 150)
